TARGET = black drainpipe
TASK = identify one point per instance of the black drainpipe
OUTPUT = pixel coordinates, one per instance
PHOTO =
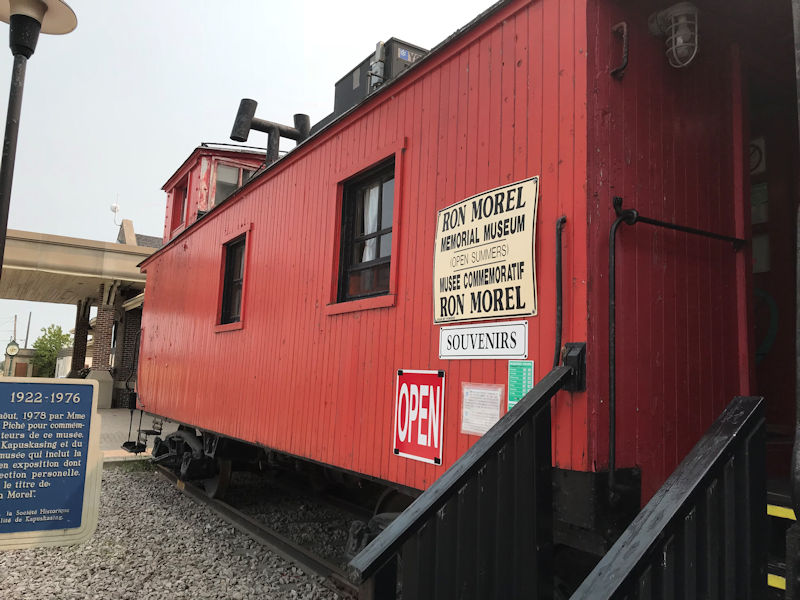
(559, 296)
(631, 216)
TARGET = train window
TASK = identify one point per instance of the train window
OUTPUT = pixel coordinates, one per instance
(179, 197)
(229, 179)
(233, 280)
(366, 250)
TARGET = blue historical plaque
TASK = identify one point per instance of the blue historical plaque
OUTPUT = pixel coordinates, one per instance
(48, 461)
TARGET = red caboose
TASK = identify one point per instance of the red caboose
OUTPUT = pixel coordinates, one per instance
(366, 286)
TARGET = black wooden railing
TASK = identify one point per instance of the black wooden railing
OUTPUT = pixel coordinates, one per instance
(703, 535)
(484, 529)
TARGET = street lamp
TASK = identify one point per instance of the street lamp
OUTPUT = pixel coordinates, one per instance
(26, 19)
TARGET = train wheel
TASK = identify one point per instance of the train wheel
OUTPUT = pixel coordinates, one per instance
(392, 501)
(217, 485)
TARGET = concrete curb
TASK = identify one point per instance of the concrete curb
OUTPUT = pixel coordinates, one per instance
(123, 456)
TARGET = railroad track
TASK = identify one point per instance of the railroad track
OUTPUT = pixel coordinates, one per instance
(312, 564)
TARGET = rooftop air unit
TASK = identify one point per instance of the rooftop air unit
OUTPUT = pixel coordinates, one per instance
(388, 61)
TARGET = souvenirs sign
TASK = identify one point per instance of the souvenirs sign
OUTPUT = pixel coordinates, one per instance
(483, 262)
(50, 464)
(507, 339)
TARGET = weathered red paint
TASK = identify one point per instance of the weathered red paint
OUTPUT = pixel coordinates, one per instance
(198, 173)
(525, 92)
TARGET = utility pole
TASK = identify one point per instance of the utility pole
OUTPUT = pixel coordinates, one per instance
(28, 330)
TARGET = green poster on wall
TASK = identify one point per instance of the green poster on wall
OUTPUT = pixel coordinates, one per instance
(520, 380)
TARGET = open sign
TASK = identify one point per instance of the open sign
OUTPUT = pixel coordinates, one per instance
(419, 415)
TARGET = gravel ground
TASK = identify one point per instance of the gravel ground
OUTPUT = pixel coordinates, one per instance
(306, 521)
(152, 542)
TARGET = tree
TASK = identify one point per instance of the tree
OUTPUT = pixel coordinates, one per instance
(47, 346)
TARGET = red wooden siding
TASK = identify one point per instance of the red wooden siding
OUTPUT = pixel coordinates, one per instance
(664, 140)
(503, 102)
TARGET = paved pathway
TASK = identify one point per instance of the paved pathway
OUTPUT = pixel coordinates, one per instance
(114, 432)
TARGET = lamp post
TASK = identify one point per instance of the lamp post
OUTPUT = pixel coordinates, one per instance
(26, 19)
(11, 351)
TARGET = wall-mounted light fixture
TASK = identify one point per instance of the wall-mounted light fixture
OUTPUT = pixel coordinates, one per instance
(679, 24)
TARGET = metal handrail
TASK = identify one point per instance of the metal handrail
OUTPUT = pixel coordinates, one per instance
(704, 529)
(390, 541)
(631, 216)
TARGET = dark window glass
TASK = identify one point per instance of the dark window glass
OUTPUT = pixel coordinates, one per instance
(232, 283)
(367, 234)
(386, 245)
(387, 204)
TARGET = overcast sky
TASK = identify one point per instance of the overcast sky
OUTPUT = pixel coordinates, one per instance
(112, 109)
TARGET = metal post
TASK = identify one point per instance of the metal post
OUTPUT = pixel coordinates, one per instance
(793, 533)
(10, 145)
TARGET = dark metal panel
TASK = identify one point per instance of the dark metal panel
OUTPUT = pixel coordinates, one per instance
(668, 569)
(689, 555)
(645, 584)
(793, 562)
(713, 535)
(754, 517)
(447, 545)
(742, 510)
(504, 529)
(542, 496)
(426, 556)
(382, 585)
(523, 552)
(487, 486)
(729, 516)
(466, 553)
(409, 571)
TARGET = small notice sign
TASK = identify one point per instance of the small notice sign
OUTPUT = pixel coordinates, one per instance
(520, 380)
(483, 261)
(491, 340)
(50, 464)
(419, 415)
(480, 406)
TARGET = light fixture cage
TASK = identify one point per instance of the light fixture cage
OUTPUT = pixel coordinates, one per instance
(679, 23)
